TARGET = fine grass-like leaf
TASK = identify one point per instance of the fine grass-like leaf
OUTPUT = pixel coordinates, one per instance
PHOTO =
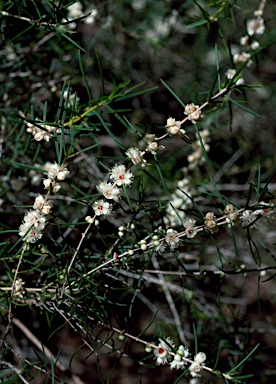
(235, 368)
(173, 93)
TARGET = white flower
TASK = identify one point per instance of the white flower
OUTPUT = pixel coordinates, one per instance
(75, 10)
(231, 213)
(177, 362)
(41, 205)
(255, 45)
(41, 131)
(108, 190)
(47, 183)
(200, 357)
(153, 145)
(174, 127)
(136, 157)
(240, 58)
(56, 171)
(90, 19)
(102, 207)
(194, 369)
(211, 222)
(35, 218)
(18, 288)
(30, 235)
(120, 175)
(255, 26)
(193, 112)
(244, 40)
(230, 73)
(162, 355)
(172, 239)
(189, 225)
(248, 217)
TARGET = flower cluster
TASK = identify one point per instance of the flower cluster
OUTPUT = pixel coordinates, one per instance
(55, 172)
(211, 222)
(197, 364)
(120, 176)
(174, 128)
(33, 224)
(35, 220)
(254, 27)
(75, 12)
(249, 217)
(153, 145)
(18, 290)
(178, 362)
(193, 113)
(164, 354)
(41, 131)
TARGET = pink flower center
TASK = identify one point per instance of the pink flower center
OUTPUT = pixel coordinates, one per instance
(121, 177)
(161, 350)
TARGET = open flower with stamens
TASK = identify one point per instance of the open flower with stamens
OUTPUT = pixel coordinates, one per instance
(162, 355)
(31, 234)
(189, 225)
(120, 175)
(102, 207)
(109, 191)
(172, 239)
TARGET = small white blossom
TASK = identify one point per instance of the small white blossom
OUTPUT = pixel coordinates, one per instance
(211, 222)
(153, 146)
(42, 205)
(136, 157)
(244, 40)
(56, 171)
(255, 26)
(194, 369)
(18, 288)
(177, 362)
(30, 235)
(231, 213)
(102, 207)
(255, 45)
(172, 239)
(240, 58)
(189, 225)
(35, 218)
(193, 112)
(109, 191)
(248, 217)
(75, 10)
(121, 176)
(200, 357)
(174, 127)
(162, 355)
